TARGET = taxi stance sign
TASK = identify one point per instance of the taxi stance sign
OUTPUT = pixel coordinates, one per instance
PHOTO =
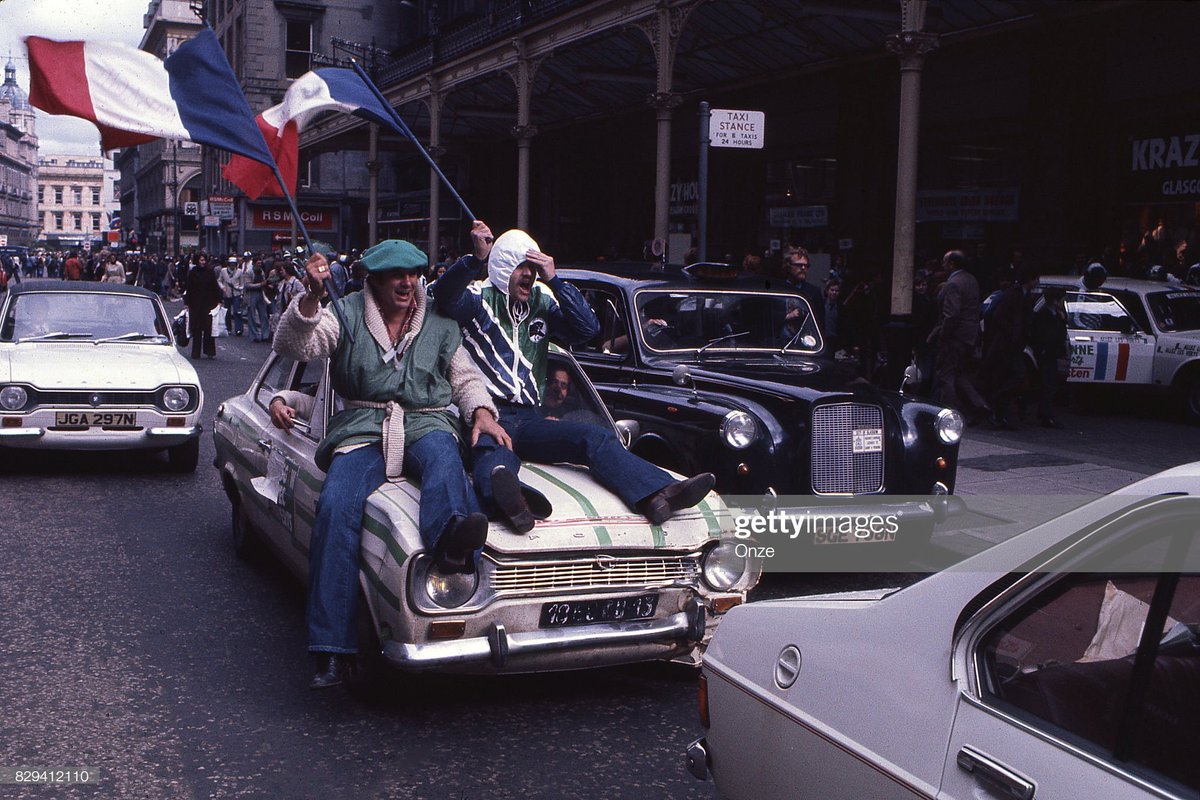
(740, 129)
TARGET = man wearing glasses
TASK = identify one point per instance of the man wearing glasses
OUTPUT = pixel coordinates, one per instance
(795, 266)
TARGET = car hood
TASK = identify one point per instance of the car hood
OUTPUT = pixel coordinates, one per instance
(586, 516)
(62, 365)
(789, 372)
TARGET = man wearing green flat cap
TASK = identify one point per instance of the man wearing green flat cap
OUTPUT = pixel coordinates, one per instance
(396, 378)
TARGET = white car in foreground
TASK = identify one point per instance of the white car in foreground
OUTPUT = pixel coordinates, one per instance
(592, 584)
(93, 366)
(1063, 663)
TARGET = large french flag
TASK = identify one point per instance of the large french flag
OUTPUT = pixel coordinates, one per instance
(133, 97)
(331, 89)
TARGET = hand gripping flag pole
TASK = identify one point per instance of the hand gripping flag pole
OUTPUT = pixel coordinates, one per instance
(403, 128)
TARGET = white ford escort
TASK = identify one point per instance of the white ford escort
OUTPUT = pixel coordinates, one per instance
(592, 584)
(1135, 332)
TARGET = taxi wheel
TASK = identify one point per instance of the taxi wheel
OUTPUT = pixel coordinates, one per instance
(1191, 399)
(184, 457)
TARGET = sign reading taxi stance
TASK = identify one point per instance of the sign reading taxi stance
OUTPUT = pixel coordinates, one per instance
(740, 129)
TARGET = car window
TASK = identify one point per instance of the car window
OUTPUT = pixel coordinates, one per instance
(613, 339)
(1175, 311)
(1072, 660)
(72, 316)
(286, 375)
(277, 377)
(1091, 311)
(726, 320)
(1133, 304)
(569, 396)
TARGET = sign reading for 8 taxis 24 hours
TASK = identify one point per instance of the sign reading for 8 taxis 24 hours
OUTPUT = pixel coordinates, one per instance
(740, 129)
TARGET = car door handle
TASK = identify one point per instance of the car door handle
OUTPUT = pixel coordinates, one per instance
(987, 769)
(264, 444)
(1083, 338)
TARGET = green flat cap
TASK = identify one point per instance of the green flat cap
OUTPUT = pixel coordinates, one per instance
(394, 254)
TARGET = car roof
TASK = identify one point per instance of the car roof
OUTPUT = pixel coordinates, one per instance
(1123, 284)
(29, 286)
(641, 275)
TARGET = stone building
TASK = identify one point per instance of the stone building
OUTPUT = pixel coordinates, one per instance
(74, 196)
(160, 180)
(18, 163)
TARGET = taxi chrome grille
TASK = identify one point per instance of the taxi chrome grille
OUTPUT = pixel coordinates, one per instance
(599, 572)
(836, 468)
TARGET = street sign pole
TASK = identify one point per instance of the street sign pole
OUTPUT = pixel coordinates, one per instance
(702, 200)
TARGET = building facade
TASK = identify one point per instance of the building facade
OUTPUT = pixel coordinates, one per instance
(75, 194)
(269, 43)
(160, 180)
(18, 163)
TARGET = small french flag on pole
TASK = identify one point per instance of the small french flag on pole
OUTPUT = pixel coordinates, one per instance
(132, 97)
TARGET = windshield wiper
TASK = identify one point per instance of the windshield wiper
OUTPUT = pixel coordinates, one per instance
(791, 341)
(54, 335)
(132, 335)
(720, 339)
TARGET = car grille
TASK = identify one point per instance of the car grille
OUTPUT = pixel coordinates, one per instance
(77, 398)
(594, 573)
(836, 468)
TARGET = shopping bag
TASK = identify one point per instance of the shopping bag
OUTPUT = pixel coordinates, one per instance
(180, 326)
(218, 322)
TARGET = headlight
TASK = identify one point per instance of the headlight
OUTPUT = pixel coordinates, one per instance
(450, 591)
(725, 570)
(739, 430)
(13, 398)
(949, 425)
(176, 399)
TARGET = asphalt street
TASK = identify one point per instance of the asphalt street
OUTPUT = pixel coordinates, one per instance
(136, 643)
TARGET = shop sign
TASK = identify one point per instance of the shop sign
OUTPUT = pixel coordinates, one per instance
(275, 218)
(738, 129)
(221, 205)
(1163, 169)
(974, 205)
(684, 199)
(963, 231)
(798, 217)
(212, 221)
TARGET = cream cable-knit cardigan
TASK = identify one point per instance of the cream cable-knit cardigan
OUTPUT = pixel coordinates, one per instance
(309, 338)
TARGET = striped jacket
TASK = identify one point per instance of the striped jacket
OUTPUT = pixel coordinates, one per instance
(511, 353)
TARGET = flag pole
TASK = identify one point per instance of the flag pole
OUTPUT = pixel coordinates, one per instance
(403, 127)
(335, 301)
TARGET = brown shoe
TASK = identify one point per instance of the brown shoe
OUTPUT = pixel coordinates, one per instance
(506, 490)
(659, 506)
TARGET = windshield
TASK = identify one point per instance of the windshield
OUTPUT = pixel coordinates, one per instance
(716, 320)
(1175, 311)
(83, 316)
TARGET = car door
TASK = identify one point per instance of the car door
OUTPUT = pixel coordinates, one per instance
(1107, 343)
(1082, 681)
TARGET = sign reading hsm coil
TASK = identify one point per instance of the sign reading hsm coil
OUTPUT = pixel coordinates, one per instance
(742, 129)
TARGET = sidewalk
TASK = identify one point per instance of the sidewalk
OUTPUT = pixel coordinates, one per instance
(1013, 481)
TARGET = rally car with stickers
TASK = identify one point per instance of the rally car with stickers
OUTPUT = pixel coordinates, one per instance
(1135, 332)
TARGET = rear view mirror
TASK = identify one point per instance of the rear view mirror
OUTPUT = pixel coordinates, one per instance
(628, 430)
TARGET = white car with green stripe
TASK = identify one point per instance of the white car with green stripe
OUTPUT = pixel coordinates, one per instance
(593, 583)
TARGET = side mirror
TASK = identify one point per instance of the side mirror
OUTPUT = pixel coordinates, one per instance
(682, 376)
(912, 377)
(628, 429)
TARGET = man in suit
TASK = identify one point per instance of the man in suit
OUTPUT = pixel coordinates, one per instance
(956, 334)
(795, 266)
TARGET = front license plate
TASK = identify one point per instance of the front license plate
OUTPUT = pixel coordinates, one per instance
(868, 440)
(95, 419)
(586, 612)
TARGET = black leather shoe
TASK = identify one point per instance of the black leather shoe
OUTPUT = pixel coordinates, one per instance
(659, 506)
(332, 670)
(507, 491)
(463, 537)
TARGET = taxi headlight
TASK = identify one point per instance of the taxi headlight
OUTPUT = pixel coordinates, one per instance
(723, 569)
(949, 425)
(450, 590)
(13, 398)
(739, 430)
(176, 398)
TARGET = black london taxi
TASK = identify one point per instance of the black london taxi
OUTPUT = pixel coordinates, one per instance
(729, 374)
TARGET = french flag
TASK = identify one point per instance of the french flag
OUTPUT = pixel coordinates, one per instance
(132, 97)
(321, 90)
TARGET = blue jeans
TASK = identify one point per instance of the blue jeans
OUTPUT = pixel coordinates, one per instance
(334, 550)
(233, 315)
(631, 478)
(256, 315)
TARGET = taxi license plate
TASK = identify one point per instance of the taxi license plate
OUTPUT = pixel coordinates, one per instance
(868, 440)
(586, 612)
(94, 419)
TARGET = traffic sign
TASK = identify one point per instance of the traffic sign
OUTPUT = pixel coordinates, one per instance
(739, 129)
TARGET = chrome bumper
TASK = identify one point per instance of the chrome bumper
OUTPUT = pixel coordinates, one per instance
(164, 435)
(499, 644)
(174, 434)
(21, 433)
(697, 759)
